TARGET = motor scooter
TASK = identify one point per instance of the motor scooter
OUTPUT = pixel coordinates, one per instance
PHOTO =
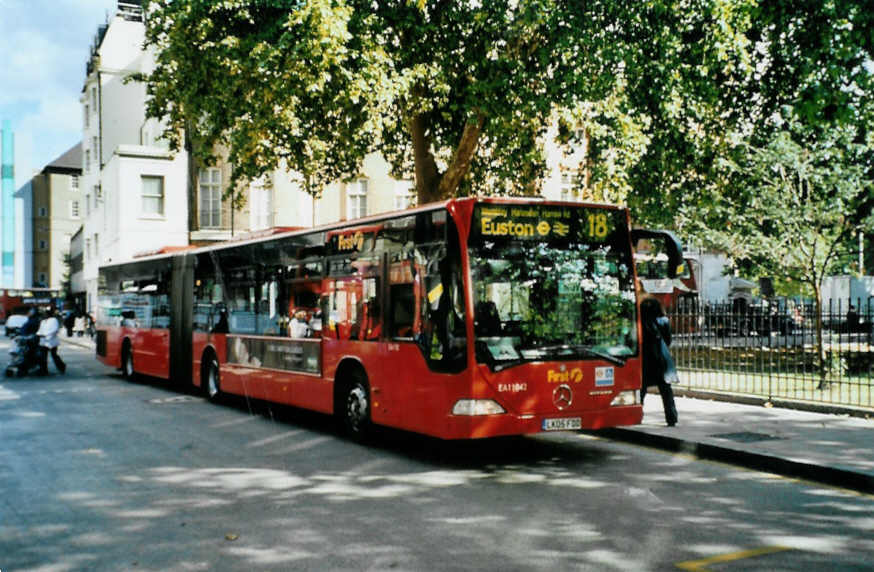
(25, 356)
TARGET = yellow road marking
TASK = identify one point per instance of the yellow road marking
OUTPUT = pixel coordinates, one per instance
(701, 565)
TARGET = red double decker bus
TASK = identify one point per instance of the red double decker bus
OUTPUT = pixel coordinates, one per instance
(464, 319)
(14, 300)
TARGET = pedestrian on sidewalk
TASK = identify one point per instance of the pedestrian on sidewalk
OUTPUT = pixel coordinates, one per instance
(48, 341)
(658, 365)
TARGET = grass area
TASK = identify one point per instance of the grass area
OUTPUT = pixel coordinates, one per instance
(848, 390)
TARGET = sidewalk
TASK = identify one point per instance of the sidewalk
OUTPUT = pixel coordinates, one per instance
(832, 449)
(83, 342)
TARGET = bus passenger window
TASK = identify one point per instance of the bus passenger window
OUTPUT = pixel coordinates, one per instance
(403, 310)
(344, 308)
(371, 326)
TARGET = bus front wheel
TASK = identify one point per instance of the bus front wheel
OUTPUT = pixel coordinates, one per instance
(356, 409)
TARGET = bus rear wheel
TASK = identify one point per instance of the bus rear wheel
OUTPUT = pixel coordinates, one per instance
(127, 362)
(356, 409)
(211, 383)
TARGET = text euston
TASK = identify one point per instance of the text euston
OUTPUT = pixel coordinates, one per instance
(490, 228)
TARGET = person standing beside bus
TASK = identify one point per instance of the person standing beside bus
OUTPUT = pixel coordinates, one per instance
(48, 334)
(658, 365)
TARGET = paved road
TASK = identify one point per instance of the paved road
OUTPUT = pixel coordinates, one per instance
(100, 474)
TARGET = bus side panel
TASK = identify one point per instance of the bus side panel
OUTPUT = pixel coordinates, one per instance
(408, 395)
(298, 389)
(199, 343)
(112, 355)
(243, 380)
(152, 351)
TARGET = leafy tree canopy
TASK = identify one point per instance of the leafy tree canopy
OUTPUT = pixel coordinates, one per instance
(459, 93)
(663, 94)
(790, 206)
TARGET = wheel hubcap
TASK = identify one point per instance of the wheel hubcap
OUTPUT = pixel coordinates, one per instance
(356, 408)
(212, 385)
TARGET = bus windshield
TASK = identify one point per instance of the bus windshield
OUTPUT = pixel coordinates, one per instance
(551, 282)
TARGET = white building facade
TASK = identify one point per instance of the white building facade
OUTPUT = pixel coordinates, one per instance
(133, 191)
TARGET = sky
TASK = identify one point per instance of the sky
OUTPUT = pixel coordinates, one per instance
(44, 46)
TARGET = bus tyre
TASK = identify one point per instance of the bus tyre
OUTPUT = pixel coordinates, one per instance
(356, 409)
(127, 362)
(211, 383)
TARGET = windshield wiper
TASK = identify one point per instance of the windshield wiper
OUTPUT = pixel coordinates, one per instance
(572, 349)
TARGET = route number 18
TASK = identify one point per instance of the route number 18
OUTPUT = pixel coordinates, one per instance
(598, 225)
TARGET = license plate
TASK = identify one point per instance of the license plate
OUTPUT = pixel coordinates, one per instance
(562, 424)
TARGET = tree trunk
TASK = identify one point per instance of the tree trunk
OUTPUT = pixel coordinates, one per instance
(431, 185)
(427, 176)
(461, 158)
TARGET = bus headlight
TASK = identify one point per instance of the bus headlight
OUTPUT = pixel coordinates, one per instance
(477, 407)
(626, 398)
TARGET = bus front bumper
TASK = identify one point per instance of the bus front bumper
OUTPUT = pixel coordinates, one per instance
(484, 426)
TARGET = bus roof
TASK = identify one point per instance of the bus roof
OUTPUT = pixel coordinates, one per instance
(170, 252)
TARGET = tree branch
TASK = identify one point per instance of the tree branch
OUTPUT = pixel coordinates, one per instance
(461, 158)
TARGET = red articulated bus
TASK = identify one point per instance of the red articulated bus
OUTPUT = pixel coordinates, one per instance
(464, 319)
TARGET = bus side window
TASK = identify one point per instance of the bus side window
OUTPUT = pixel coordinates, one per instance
(344, 307)
(403, 309)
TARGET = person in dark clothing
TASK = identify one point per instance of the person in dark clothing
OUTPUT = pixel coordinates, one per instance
(658, 366)
(31, 326)
(852, 320)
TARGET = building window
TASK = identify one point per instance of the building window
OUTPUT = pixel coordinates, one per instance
(87, 204)
(87, 249)
(74, 209)
(74, 182)
(153, 195)
(43, 245)
(43, 279)
(210, 190)
(405, 195)
(87, 116)
(94, 146)
(568, 188)
(96, 244)
(94, 98)
(356, 199)
(43, 211)
(87, 160)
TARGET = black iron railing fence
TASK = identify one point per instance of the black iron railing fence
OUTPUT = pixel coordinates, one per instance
(771, 350)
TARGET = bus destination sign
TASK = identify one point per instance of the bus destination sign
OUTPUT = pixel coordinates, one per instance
(543, 222)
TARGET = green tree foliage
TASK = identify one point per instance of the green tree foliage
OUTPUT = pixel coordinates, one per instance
(459, 93)
(712, 76)
(662, 94)
(789, 208)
